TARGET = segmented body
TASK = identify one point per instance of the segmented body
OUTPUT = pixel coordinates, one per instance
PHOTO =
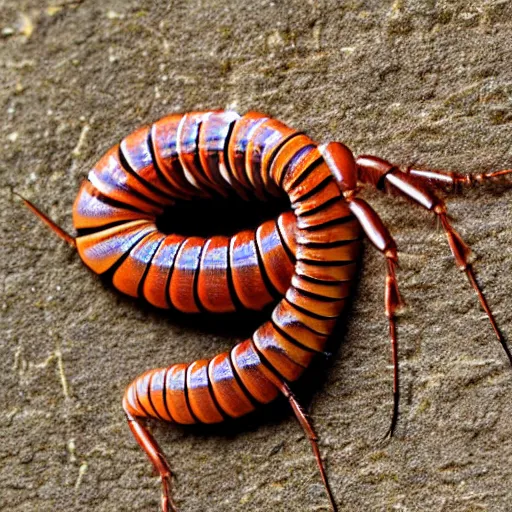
(307, 256)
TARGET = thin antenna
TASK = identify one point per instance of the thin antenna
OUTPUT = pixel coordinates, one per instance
(49, 222)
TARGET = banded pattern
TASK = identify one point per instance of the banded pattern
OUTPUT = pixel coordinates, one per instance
(253, 155)
(193, 274)
(307, 256)
(186, 156)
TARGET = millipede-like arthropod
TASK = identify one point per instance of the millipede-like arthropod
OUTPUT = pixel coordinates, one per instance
(307, 256)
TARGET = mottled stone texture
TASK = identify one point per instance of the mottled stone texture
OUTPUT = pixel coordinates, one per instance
(413, 81)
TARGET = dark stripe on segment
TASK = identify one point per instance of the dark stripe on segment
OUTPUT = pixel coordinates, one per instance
(320, 207)
(253, 162)
(344, 253)
(156, 393)
(169, 277)
(211, 146)
(248, 281)
(243, 130)
(209, 173)
(213, 277)
(286, 247)
(201, 174)
(248, 366)
(230, 397)
(327, 308)
(239, 381)
(165, 396)
(288, 321)
(225, 160)
(331, 245)
(137, 395)
(165, 149)
(115, 204)
(135, 155)
(110, 178)
(223, 413)
(266, 363)
(296, 159)
(268, 162)
(140, 291)
(93, 211)
(155, 291)
(320, 281)
(259, 150)
(183, 277)
(316, 296)
(286, 357)
(129, 275)
(330, 213)
(286, 313)
(176, 192)
(153, 191)
(340, 291)
(271, 289)
(188, 136)
(231, 285)
(270, 367)
(176, 393)
(306, 172)
(130, 399)
(326, 263)
(195, 291)
(150, 398)
(200, 395)
(348, 230)
(187, 399)
(341, 273)
(278, 266)
(329, 192)
(291, 339)
(91, 231)
(223, 387)
(329, 224)
(225, 153)
(232, 180)
(308, 312)
(100, 251)
(311, 192)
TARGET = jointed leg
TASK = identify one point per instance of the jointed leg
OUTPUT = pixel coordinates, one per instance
(150, 446)
(462, 255)
(380, 237)
(450, 180)
(313, 438)
(413, 185)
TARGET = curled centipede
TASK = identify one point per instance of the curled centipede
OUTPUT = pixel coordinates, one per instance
(306, 257)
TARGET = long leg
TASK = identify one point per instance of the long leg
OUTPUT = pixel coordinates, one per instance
(312, 436)
(388, 177)
(148, 443)
(380, 237)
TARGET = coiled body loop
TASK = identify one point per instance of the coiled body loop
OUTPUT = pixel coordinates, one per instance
(306, 257)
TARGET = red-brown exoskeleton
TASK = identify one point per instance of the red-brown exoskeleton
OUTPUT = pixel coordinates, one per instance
(307, 255)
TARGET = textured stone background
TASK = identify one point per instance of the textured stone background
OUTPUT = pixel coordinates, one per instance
(418, 80)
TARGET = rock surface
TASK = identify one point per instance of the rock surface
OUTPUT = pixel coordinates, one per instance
(412, 81)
